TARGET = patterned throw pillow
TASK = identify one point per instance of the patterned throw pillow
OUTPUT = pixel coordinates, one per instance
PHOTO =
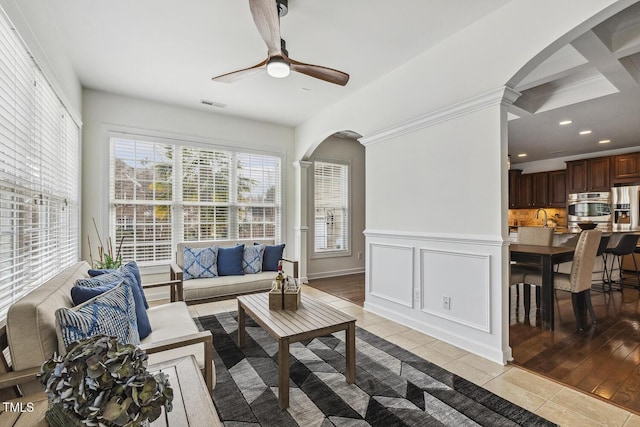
(200, 262)
(132, 267)
(252, 259)
(86, 289)
(112, 313)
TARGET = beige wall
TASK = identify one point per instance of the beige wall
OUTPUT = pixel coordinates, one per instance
(352, 152)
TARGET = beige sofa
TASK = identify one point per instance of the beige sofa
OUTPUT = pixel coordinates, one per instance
(205, 289)
(30, 331)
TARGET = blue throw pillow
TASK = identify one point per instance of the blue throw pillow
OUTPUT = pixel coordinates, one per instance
(112, 313)
(272, 254)
(230, 261)
(252, 259)
(130, 266)
(104, 282)
(200, 262)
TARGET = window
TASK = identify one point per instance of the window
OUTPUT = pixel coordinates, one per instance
(39, 175)
(331, 198)
(163, 193)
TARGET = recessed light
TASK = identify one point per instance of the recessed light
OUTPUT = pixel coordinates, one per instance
(604, 141)
(565, 122)
(585, 132)
(522, 155)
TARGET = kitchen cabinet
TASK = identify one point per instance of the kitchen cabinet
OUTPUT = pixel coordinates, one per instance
(537, 190)
(626, 168)
(524, 199)
(514, 175)
(589, 175)
(557, 196)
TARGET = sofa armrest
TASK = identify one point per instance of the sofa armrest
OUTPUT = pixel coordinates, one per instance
(175, 273)
(203, 337)
(14, 378)
(175, 291)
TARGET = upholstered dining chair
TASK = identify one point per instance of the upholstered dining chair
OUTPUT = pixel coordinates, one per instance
(578, 281)
(540, 236)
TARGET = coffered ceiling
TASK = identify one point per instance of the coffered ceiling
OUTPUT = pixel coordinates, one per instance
(594, 82)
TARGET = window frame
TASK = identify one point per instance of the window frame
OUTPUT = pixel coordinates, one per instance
(177, 207)
(333, 253)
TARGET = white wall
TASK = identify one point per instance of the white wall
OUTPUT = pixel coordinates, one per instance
(353, 153)
(103, 112)
(435, 133)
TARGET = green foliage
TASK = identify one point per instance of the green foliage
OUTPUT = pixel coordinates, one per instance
(107, 259)
(106, 383)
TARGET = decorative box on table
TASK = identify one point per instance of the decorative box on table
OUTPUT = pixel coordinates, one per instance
(284, 295)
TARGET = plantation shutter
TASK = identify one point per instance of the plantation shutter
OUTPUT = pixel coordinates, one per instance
(39, 157)
(331, 198)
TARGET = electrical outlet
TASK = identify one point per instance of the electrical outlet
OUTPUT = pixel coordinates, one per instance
(446, 303)
(416, 295)
(359, 255)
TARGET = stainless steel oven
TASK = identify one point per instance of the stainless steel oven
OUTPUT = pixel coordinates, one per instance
(595, 207)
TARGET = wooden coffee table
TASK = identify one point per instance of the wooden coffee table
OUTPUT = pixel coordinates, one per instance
(312, 319)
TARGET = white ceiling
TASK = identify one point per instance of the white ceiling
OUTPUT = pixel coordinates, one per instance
(168, 50)
(593, 81)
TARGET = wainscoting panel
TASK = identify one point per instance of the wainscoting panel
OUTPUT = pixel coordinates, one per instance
(394, 284)
(443, 275)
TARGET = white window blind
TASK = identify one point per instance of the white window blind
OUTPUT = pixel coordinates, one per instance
(331, 199)
(162, 194)
(39, 175)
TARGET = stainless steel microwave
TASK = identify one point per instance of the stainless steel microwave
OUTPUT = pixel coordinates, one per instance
(594, 207)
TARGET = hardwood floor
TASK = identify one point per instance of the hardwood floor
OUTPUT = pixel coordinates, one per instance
(603, 361)
(349, 287)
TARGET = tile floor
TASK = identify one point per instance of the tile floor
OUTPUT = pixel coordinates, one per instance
(548, 399)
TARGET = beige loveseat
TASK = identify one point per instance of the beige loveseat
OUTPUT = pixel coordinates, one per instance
(31, 332)
(204, 289)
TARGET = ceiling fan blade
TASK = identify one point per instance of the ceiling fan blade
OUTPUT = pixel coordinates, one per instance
(240, 74)
(323, 73)
(265, 15)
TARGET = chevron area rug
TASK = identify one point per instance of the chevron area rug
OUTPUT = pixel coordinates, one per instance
(393, 387)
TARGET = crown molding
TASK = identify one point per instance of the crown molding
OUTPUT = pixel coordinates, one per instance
(501, 96)
(302, 164)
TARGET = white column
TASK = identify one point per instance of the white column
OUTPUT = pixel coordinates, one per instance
(301, 227)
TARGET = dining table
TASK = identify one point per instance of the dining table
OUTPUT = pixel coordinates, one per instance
(546, 257)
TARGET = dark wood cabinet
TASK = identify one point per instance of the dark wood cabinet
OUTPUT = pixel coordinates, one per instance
(557, 195)
(626, 168)
(524, 199)
(539, 189)
(514, 175)
(589, 175)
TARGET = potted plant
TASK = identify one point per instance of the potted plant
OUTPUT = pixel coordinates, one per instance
(107, 259)
(102, 382)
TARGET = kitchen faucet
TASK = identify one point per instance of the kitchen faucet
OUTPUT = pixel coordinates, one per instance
(545, 216)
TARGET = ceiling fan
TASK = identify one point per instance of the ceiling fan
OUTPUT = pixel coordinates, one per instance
(266, 15)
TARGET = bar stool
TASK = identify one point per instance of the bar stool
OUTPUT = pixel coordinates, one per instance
(626, 246)
(604, 242)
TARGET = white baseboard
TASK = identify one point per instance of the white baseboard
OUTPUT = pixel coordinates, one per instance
(335, 273)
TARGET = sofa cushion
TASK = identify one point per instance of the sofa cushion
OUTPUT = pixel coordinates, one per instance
(230, 261)
(272, 254)
(200, 262)
(252, 259)
(111, 313)
(227, 285)
(132, 267)
(174, 321)
(89, 288)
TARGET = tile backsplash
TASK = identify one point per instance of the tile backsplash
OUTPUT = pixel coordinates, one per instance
(528, 217)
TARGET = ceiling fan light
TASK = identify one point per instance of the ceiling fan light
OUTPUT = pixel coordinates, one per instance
(278, 68)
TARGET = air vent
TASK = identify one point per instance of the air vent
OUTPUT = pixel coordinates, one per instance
(557, 151)
(212, 104)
